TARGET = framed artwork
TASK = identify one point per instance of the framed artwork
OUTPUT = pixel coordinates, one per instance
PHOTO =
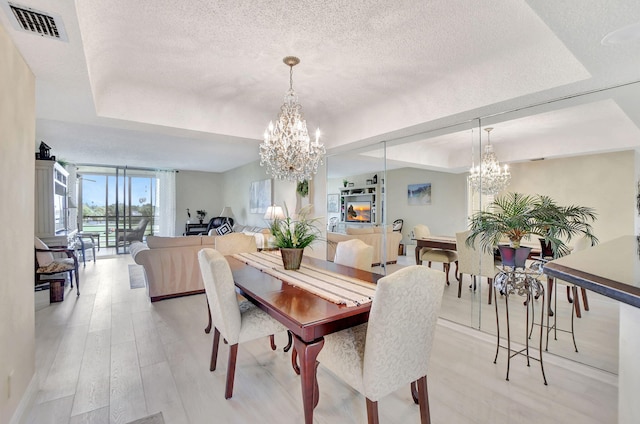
(419, 194)
(260, 198)
(333, 201)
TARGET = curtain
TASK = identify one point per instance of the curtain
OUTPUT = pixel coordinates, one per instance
(166, 201)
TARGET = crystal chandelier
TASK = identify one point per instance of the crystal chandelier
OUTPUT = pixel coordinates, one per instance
(287, 150)
(489, 177)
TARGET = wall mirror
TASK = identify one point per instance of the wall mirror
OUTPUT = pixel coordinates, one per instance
(579, 150)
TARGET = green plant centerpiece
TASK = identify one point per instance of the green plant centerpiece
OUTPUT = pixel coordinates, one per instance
(292, 235)
(516, 216)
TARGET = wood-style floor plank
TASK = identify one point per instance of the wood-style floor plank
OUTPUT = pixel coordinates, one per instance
(155, 357)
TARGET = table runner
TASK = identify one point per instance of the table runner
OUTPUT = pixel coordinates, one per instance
(334, 287)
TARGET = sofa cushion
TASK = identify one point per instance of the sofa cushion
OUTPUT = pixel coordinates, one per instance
(356, 231)
(156, 242)
(224, 229)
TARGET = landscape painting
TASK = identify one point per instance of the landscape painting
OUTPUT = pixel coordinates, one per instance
(419, 194)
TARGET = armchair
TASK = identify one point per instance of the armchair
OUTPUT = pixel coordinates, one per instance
(46, 264)
(124, 235)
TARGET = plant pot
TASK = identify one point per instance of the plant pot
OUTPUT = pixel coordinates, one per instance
(514, 257)
(291, 257)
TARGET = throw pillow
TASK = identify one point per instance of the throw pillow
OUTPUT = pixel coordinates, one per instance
(224, 229)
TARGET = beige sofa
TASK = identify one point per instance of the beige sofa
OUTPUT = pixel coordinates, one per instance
(171, 264)
(371, 236)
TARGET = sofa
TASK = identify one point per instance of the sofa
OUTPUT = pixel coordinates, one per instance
(171, 264)
(372, 236)
(261, 234)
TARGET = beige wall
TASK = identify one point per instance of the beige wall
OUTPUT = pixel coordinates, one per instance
(444, 216)
(17, 135)
(605, 182)
(197, 191)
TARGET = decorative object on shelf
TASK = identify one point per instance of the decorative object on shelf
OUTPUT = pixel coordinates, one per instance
(333, 203)
(188, 216)
(419, 194)
(201, 214)
(375, 179)
(350, 184)
(345, 182)
(287, 150)
(260, 198)
(303, 188)
(489, 177)
(44, 152)
(294, 234)
(369, 182)
(516, 216)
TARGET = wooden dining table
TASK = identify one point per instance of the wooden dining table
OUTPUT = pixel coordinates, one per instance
(449, 243)
(307, 316)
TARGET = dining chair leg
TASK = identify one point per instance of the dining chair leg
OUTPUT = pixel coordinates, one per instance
(414, 393)
(585, 301)
(423, 394)
(445, 267)
(214, 350)
(459, 286)
(372, 412)
(231, 371)
(208, 329)
(576, 301)
(272, 342)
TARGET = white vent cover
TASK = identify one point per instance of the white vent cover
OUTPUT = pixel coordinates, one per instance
(33, 21)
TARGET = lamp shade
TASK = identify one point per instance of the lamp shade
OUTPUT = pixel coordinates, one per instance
(226, 211)
(274, 212)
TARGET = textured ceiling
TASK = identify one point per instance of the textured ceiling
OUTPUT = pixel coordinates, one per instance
(192, 84)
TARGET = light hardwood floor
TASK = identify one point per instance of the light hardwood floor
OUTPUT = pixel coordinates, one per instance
(111, 356)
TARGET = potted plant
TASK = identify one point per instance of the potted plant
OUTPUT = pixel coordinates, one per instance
(516, 216)
(293, 235)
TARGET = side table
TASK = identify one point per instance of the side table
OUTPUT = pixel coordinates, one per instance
(521, 282)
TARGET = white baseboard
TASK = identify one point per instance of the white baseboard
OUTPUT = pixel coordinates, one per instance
(22, 411)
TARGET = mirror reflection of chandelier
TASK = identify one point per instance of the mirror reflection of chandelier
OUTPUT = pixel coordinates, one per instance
(287, 150)
(489, 177)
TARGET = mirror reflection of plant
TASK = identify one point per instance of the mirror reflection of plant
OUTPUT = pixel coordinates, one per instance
(517, 216)
(295, 233)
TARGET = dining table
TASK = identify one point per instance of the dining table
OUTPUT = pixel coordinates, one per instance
(307, 316)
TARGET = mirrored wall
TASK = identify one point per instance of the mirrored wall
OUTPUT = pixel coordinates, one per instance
(580, 150)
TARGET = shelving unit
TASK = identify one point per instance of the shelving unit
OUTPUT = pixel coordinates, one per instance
(367, 193)
(50, 201)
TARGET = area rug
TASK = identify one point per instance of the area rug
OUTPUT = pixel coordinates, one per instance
(137, 279)
(151, 419)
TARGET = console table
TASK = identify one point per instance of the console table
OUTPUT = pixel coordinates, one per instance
(613, 269)
(195, 229)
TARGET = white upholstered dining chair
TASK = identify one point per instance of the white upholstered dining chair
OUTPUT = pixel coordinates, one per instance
(393, 349)
(429, 255)
(354, 253)
(235, 324)
(473, 260)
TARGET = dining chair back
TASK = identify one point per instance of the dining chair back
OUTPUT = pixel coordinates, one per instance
(354, 253)
(235, 324)
(430, 255)
(474, 261)
(394, 347)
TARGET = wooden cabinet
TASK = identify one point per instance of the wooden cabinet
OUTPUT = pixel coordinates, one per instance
(50, 201)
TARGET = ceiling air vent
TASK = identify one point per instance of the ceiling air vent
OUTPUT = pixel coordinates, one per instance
(35, 22)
